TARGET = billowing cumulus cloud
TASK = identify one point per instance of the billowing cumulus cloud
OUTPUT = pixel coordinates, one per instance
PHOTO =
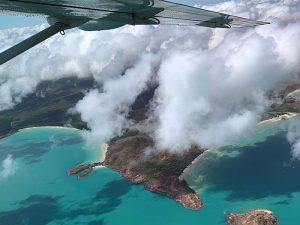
(100, 55)
(213, 96)
(106, 111)
(8, 169)
(212, 82)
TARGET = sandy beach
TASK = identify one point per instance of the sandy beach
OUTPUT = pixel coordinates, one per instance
(28, 128)
(293, 93)
(103, 149)
(196, 160)
(278, 118)
(52, 127)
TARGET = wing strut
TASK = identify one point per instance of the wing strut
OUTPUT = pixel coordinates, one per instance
(31, 42)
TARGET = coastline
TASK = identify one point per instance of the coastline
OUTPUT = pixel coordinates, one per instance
(254, 217)
(36, 127)
(175, 189)
(158, 173)
(50, 127)
(279, 118)
(272, 120)
(293, 93)
(196, 160)
(8, 134)
(103, 149)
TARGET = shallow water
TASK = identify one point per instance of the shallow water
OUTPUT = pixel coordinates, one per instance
(257, 175)
(252, 174)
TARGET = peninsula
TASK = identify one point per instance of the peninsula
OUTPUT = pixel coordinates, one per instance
(158, 171)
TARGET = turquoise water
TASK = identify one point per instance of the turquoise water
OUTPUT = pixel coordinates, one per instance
(245, 176)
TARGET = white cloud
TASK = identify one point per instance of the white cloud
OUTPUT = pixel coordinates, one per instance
(212, 82)
(106, 112)
(9, 167)
(213, 96)
(293, 137)
(100, 55)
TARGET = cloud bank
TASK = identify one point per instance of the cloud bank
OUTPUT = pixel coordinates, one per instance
(106, 111)
(213, 96)
(212, 82)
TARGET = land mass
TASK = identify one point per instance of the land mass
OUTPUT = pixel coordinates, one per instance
(157, 171)
(255, 217)
(48, 106)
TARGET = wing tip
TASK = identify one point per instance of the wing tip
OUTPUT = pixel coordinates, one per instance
(263, 23)
(253, 24)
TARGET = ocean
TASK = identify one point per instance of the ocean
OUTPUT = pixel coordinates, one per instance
(254, 173)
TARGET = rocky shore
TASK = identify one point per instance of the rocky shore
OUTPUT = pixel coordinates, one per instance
(83, 170)
(134, 157)
(8, 134)
(255, 217)
(177, 190)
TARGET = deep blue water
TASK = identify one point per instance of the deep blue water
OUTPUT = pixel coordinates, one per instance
(254, 173)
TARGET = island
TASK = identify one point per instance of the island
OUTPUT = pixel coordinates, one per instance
(255, 217)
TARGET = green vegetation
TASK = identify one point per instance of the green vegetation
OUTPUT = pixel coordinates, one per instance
(47, 107)
(167, 164)
(138, 115)
(128, 154)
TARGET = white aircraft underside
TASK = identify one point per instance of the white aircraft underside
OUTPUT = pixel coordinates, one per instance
(93, 15)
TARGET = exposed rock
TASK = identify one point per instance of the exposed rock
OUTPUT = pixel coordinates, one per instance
(83, 170)
(158, 171)
(255, 217)
(78, 169)
(175, 189)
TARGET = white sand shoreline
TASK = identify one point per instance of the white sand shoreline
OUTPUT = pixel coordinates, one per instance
(103, 147)
(264, 210)
(51, 127)
(279, 118)
(257, 211)
(197, 159)
(293, 93)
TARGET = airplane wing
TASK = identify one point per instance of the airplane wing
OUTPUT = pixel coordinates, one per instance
(124, 11)
(179, 14)
(110, 14)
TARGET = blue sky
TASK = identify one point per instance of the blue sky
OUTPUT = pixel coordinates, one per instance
(21, 21)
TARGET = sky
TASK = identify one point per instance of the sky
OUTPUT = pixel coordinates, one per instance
(22, 21)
